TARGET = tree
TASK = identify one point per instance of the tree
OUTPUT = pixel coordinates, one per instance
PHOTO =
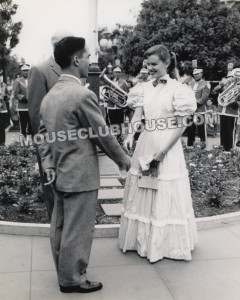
(9, 32)
(207, 31)
(13, 67)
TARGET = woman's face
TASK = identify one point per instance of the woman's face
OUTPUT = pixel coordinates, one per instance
(156, 67)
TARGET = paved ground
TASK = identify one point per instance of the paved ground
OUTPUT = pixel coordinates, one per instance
(27, 271)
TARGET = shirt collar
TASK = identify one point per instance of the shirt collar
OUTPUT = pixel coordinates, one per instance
(72, 76)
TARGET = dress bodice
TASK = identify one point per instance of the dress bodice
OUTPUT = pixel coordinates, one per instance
(167, 99)
(164, 100)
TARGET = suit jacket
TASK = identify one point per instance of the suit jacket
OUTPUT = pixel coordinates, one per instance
(202, 91)
(70, 107)
(20, 93)
(40, 80)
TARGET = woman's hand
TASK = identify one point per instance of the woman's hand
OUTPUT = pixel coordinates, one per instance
(128, 143)
(159, 156)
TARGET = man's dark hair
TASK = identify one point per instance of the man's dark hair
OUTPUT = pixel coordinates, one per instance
(66, 48)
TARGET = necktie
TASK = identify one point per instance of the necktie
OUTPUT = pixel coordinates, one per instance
(157, 81)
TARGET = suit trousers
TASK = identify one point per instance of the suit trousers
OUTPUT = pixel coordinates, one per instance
(228, 127)
(2, 129)
(71, 234)
(24, 122)
(191, 130)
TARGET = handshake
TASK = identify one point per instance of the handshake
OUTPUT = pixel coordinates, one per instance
(127, 144)
(126, 165)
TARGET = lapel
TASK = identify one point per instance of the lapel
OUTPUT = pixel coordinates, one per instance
(55, 67)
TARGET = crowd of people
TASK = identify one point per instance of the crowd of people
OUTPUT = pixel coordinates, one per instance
(158, 218)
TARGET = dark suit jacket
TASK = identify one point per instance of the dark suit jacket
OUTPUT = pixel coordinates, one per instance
(40, 80)
(70, 106)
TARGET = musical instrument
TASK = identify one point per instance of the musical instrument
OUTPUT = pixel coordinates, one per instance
(232, 91)
(112, 92)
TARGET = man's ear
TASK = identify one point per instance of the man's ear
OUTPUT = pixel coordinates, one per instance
(75, 60)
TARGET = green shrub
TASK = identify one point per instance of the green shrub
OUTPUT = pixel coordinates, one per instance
(7, 195)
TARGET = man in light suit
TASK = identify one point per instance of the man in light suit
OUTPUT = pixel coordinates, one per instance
(202, 90)
(20, 94)
(71, 118)
(40, 80)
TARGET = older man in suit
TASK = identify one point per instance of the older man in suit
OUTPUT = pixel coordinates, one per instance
(72, 122)
(40, 80)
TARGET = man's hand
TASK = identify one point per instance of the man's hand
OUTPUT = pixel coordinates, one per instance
(126, 165)
(51, 176)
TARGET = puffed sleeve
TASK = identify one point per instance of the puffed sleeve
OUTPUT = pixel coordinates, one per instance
(184, 101)
(135, 96)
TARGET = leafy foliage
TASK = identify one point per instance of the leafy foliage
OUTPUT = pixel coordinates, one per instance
(204, 30)
(9, 32)
(215, 175)
(7, 195)
(13, 65)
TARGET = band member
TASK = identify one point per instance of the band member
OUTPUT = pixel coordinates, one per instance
(143, 75)
(20, 93)
(115, 114)
(228, 116)
(202, 91)
(4, 97)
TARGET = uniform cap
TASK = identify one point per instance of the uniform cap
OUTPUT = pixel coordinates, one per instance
(25, 67)
(117, 69)
(197, 71)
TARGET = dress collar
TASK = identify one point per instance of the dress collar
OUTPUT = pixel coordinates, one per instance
(164, 79)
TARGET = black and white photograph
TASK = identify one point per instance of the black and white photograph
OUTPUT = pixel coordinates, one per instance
(120, 149)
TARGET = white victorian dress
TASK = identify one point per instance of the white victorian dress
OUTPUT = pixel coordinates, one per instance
(160, 222)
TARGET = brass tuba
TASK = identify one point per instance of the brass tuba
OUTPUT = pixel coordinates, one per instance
(232, 92)
(112, 92)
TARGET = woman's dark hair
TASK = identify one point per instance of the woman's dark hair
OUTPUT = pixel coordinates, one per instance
(66, 48)
(185, 68)
(164, 55)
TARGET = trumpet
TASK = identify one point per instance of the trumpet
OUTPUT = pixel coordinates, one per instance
(112, 92)
(232, 92)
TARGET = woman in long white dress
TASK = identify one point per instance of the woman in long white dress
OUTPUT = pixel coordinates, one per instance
(158, 219)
